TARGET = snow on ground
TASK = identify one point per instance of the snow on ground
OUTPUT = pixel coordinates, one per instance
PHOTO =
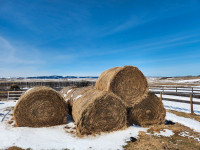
(191, 123)
(188, 81)
(154, 80)
(186, 134)
(182, 107)
(56, 138)
(59, 137)
(5, 104)
(165, 132)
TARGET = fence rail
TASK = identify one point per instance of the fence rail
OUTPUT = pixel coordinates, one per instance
(178, 91)
(192, 92)
(14, 95)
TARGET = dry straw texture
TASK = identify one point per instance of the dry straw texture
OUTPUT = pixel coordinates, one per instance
(149, 111)
(40, 107)
(14, 87)
(67, 92)
(98, 111)
(71, 93)
(127, 82)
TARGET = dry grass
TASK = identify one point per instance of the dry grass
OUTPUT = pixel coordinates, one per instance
(175, 142)
(17, 148)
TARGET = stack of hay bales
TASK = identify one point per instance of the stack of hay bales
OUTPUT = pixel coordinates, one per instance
(130, 84)
(120, 96)
(40, 107)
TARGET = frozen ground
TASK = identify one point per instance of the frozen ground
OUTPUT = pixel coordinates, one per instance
(178, 80)
(61, 137)
(182, 107)
(58, 137)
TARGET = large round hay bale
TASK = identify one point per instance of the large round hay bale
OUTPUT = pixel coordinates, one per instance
(127, 82)
(98, 111)
(14, 87)
(40, 107)
(149, 111)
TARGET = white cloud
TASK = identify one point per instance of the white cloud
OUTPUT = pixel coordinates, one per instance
(10, 54)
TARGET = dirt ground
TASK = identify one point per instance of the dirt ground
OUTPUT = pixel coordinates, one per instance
(149, 141)
(184, 138)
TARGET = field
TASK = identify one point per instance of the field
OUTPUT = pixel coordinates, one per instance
(180, 131)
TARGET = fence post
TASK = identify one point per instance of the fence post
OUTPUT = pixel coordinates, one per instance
(163, 89)
(192, 90)
(176, 90)
(8, 96)
(160, 96)
(191, 104)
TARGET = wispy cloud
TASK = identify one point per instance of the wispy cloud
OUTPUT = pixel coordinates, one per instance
(10, 54)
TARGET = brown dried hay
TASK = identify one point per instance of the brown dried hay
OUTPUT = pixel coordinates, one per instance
(71, 93)
(78, 92)
(14, 87)
(40, 107)
(67, 91)
(98, 111)
(127, 82)
(149, 111)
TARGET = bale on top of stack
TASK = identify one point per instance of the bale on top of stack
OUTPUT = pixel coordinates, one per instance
(127, 82)
(98, 111)
(40, 107)
(149, 111)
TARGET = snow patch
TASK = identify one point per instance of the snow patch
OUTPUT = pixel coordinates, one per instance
(77, 97)
(191, 123)
(69, 91)
(57, 138)
(165, 132)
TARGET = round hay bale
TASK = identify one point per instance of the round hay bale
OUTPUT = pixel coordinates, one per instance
(40, 107)
(98, 111)
(127, 82)
(149, 111)
(14, 87)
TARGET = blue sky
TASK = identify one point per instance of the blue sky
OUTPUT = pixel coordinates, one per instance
(86, 37)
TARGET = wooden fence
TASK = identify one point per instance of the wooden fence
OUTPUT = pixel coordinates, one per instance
(190, 92)
(178, 90)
